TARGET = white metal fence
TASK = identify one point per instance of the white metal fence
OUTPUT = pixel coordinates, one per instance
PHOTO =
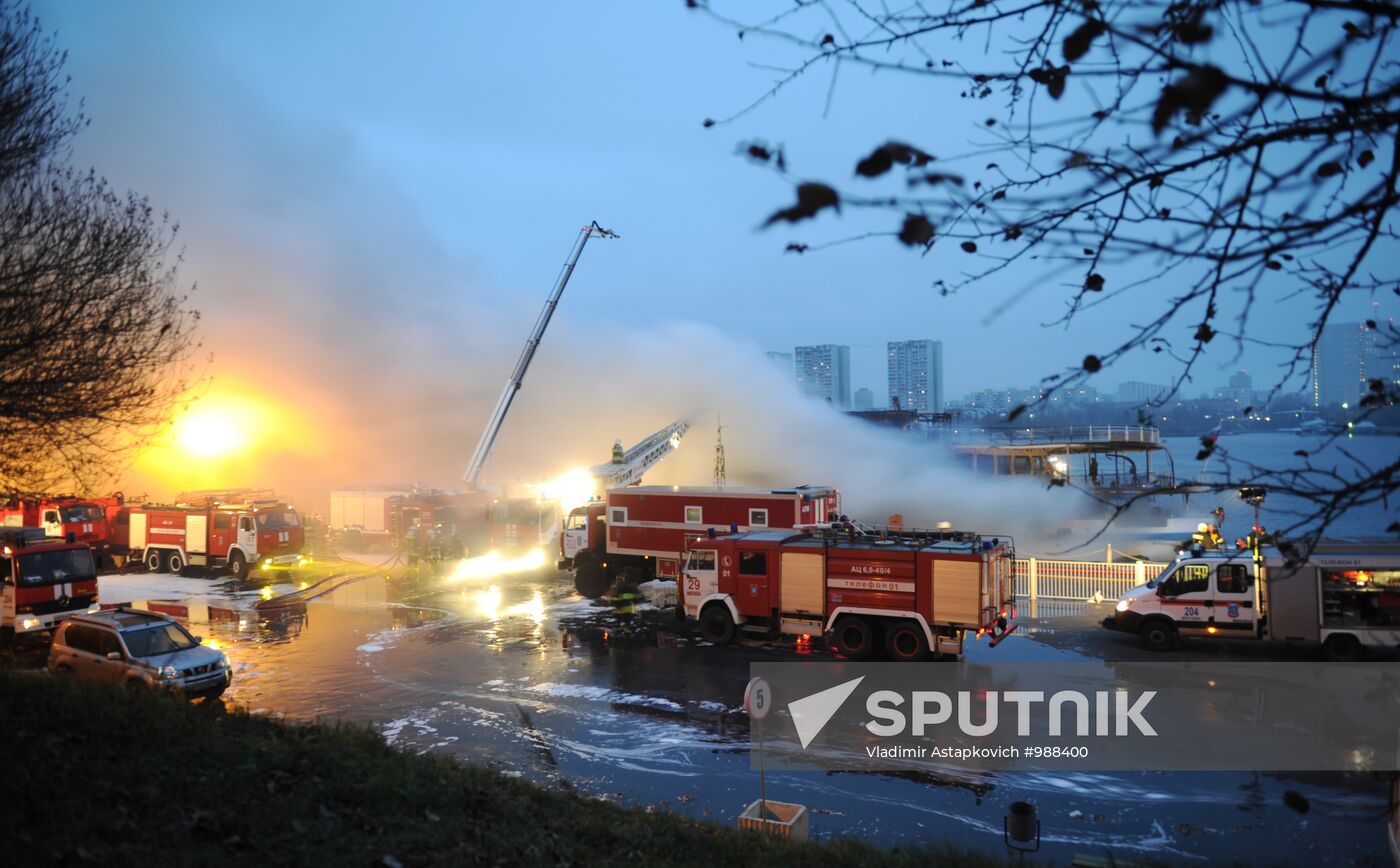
(1038, 579)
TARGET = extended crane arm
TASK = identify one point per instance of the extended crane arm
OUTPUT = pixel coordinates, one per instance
(498, 417)
(642, 457)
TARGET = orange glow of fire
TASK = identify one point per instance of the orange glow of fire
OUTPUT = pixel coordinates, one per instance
(223, 438)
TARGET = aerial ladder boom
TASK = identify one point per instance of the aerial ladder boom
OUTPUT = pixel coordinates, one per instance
(627, 469)
(517, 377)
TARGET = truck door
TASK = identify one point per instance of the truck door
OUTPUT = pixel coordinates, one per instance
(1233, 603)
(248, 536)
(1186, 597)
(699, 579)
(53, 526)
(751, 587)
(221, 535)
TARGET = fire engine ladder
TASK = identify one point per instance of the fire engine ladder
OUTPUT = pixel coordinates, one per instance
(517, 377)
(642, 457)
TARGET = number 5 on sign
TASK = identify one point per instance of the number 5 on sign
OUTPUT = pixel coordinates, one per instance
(758, 698)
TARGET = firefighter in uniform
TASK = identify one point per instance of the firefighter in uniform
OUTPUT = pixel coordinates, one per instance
(1207, 536)
(624, 603)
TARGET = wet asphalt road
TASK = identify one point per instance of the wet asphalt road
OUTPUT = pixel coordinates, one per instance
(520, 674)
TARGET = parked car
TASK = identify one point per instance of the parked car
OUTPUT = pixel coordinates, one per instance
(134, 648)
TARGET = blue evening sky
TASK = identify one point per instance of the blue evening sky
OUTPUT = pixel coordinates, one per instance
(424, 167)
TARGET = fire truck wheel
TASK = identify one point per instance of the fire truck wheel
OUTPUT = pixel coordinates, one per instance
(175, 563)
(155, 560)
(1158, 635)
(590, 579)
(905, 641)
(1343, 648)
(854, 638)
(238, 565)
(716, 625)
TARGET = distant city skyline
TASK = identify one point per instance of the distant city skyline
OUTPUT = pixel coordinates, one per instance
(868, 364)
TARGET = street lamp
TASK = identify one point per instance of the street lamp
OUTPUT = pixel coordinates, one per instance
(1254, 496)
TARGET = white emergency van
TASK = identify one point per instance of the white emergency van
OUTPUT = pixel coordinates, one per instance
(1346, 595)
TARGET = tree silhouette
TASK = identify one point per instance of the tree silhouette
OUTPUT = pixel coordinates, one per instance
(1188, 161)
(92, 332)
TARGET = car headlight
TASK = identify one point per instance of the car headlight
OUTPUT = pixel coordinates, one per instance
(29, 623)
(94, 609)
(1123, 605)
(169, 673)
(224, 661)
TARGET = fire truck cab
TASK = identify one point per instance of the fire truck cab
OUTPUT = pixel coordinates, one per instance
(74, 519)
(44, 579)
(914, 592)
(240, 535)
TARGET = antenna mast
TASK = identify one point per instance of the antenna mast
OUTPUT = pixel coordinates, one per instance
(719, 452)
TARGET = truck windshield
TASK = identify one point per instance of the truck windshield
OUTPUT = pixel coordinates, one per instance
(86, 512)
(64, 565)
(159, 639)
(280, 520)
(700, 560)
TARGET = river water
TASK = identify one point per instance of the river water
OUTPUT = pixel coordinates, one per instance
(1238, 455)
(519, 674)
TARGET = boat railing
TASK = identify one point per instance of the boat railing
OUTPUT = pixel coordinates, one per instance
(1079, 434)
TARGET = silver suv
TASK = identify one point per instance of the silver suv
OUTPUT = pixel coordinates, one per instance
(131, 647)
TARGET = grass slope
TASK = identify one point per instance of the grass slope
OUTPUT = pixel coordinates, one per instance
(99, 774)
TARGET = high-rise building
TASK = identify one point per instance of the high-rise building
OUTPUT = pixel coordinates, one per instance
(865, 399)
(916, 375)
(1337, 365)
(781, 361)
(1380, 358)
(824, 373)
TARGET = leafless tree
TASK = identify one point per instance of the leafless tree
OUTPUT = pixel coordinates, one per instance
(93, 332)
(1187, 160)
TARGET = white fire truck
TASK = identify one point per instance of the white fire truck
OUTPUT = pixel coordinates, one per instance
(241, 534)
(639, 533)
(911, 592)
(1346, 596)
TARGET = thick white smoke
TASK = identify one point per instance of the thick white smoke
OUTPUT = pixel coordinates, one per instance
(592, 388)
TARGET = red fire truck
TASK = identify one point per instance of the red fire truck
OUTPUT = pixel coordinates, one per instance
(639, 533)
(911, 591)
(45, 579)
(241, 533)
(75, 519)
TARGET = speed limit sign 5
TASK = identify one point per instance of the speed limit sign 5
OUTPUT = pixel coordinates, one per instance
(758, 698)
